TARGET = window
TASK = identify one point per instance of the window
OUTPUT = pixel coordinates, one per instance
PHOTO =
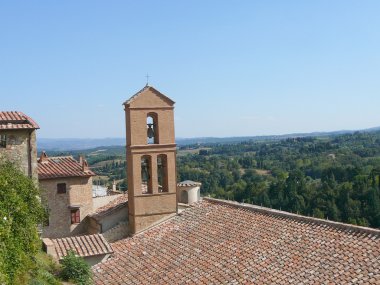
(75, 216)
(3, 141)
(61, 188)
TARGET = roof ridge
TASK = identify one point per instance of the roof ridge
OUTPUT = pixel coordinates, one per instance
(63, 156)
(307, 219)
(136, 94)
(61, 166)
(132, 98)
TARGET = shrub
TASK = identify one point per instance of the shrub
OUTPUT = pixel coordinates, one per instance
(45, 271)
(75, 269)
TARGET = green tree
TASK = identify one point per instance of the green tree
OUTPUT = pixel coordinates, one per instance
(20, 213)
(373, 210)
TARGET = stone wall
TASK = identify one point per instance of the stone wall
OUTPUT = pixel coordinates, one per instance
(92, 226)
(22, 150)
(116, 233)
(104, 223)
(115, 217)
(78, 193)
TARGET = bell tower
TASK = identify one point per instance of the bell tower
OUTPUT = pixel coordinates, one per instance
(151, 155)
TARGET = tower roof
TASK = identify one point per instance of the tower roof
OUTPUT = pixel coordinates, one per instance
(146, 90)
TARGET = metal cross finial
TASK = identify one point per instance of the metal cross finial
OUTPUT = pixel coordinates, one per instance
(147, 79)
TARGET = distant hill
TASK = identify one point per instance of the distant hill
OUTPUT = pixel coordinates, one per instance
(81, 144)
(77, 144)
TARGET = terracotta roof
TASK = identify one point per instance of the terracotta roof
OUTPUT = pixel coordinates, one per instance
(16, 120)
(154, 90)
(64, 166)
(110, 207)
(188, 183)
(223, 243)
(87, 245)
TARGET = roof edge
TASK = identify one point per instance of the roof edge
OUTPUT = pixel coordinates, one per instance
(55, 242)
(306, 219)
(32, 122)
(108, 211)
(67, 176)
(21, 117)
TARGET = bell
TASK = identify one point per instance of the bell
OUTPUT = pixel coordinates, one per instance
(150, 131)
(144, 174)
(144, 169)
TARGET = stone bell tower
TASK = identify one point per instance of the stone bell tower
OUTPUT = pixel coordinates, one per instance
(151, 155)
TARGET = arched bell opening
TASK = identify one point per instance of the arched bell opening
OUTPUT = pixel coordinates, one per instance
(152, 128)
(162, 173)
(146, 174)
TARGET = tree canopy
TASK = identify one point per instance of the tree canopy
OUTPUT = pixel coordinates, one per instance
(334, 177)
(20, 213)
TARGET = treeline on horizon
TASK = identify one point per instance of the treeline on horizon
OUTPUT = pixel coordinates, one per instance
(334, 177)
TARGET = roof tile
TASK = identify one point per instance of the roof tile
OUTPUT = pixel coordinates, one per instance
(12, 120)
(64, 166)
(222, 243)
(84, 246)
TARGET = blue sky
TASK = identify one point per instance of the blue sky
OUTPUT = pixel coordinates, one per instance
(234, 68)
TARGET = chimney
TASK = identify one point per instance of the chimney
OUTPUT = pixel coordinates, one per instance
(83, 163)
(49, 247)
(114, 186)
(43, 157)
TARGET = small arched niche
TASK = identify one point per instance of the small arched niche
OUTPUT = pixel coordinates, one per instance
(162, 173)
(152, 128)
(146, 174)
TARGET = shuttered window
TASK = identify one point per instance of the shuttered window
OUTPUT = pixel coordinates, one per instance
(75, 216)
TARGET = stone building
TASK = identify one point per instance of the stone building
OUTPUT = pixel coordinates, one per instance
(151, 152)
(18, 141)
(67, 188)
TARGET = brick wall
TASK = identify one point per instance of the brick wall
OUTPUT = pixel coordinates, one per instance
(147, 209)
